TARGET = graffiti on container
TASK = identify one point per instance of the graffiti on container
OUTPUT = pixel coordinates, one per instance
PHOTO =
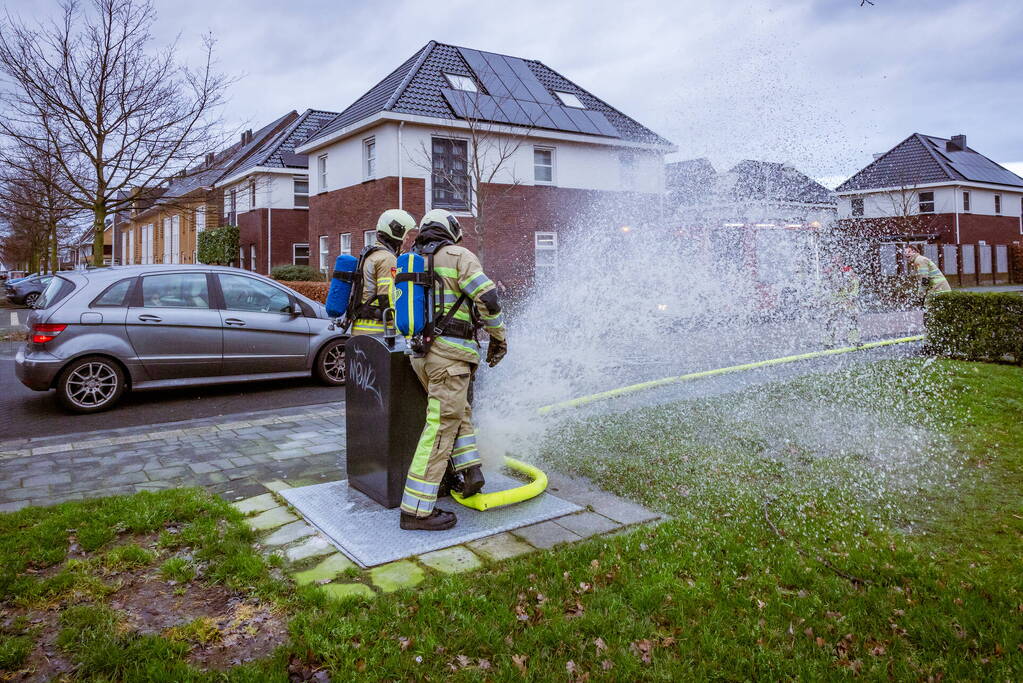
(363, 375)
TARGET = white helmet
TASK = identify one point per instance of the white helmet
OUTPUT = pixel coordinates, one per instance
(395, 223)
(445, 220)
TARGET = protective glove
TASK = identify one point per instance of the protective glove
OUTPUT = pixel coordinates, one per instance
(496, 351)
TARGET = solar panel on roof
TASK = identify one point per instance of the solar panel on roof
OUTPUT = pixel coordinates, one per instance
(581, 120)
(528, 78)
(513, 111)
(557, 114)
(485, 73)
(536, 115)
(508, 78)
(601, 122)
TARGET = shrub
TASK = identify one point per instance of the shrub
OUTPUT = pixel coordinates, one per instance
(296, 274)
(218, 246)
(317, 291)
(976, 326)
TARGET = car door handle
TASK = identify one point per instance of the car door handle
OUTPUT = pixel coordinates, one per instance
(149, 318)
(235, 321)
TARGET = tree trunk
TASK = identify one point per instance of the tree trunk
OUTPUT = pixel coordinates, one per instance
(98, 224)
(54, 248)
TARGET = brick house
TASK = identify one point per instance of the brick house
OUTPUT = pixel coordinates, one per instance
(931, 189)
(569, 160)
(267, 197)
(166, 221)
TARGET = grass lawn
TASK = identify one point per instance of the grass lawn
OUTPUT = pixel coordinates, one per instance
(868, 523)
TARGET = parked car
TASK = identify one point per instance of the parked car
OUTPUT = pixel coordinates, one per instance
(27, 291)
(96, 334)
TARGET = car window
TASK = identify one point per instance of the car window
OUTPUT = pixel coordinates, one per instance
(56, 290)
(115, 294)
(243, 293)
(175, 290)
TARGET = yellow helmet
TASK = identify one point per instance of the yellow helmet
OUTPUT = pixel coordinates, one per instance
(445, 220)
(395, 223)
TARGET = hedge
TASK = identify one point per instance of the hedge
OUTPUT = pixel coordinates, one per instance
(218, 245)
(291, 273)
(976, 326)
(317, 291)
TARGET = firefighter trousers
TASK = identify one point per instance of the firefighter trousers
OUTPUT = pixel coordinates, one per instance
(447, 435)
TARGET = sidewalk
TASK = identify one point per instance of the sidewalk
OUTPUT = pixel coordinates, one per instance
(231, 455)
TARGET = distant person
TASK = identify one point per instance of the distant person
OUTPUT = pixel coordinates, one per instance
(377, 262)
(931, 281)
(843, 303)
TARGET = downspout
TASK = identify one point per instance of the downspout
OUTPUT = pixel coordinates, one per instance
(401, 182)
(955, 206)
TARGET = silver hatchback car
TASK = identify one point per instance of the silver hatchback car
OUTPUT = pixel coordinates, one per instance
(98, 333)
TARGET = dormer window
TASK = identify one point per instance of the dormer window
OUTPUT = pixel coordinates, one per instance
(460, 82)
(569, 100)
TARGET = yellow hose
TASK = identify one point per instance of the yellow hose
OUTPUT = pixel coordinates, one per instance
(621, 391)
(485, 501)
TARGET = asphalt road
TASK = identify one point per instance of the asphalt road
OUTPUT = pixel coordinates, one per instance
(25, 413)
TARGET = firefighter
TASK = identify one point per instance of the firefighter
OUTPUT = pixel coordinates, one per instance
(931, 279)
(377, 261)
(843, 306)
(469, 301)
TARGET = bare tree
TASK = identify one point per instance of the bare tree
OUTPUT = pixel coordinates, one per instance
(489, 173)
(113, 114)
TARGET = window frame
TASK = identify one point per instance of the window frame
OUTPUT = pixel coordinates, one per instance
(569, 99)
(452, 143)
(300, 200)
(294, 256)
(232, 214)
(323, 249)
(341, 248)
(321, 172)
(369, 158)
(553, 165)
(252, 256)
(966, 201)
(544, 242)
(920, 202)
(252, 192)
(456, 81)
(139, 300)
(369, 237)
(857, 206)
(998, 204)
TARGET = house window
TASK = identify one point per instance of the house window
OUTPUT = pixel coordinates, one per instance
(450, 178)
(460, 82)
(543, 165)
(252, 256)
(232, 214)
(857, 206)
(369, 238)
(570, 100)
(344, 241)
(321, 169)
(545, 253)
(998, 204)
(324, 253)
(300, 254)
(369, 155)
(241, 257)
(252, 193)
(966, 202)
(926, 202)
(199, 219)
(301, 183)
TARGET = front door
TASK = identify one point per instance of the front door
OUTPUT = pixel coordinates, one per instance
(261, 334)
(173, 329)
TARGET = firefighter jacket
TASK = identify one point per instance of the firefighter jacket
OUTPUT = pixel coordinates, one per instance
(845, 286)
(376, 289)
(460, 271)
(931, 277)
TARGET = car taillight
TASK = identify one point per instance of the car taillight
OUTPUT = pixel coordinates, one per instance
(44, 333)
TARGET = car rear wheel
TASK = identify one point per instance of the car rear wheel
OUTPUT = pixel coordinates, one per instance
(31, 299)
(91, 384)
(331, 368)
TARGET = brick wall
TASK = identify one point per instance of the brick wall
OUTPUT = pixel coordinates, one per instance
(991, 229)
(289, 227)
(972, 227)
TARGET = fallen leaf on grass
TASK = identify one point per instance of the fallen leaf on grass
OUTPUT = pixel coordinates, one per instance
(600, 644)
(607, 665)
(520, 662)
(641, 648)
(576, 611)
(404, 643)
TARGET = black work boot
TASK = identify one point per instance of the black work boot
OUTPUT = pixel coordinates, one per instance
(472, 481)
(438, 520)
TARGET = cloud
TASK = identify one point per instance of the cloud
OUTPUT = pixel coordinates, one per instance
(821, 84)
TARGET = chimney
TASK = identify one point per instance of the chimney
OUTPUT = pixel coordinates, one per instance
(247, 137)
(956, 144)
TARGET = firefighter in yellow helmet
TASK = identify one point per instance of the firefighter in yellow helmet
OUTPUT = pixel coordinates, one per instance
(469, 302)
(375, 264)
(931, 280)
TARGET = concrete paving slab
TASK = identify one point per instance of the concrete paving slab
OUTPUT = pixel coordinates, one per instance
(311, 547)
(451, 560)
(500, 547)
(260, 503)
(271, 519)
(587, 524)
(397, 575)
(369, 533)
(324, 571)
(348, 591)
(289, 533)
(546, 535)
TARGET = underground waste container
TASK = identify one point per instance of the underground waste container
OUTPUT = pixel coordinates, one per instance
(385, 407)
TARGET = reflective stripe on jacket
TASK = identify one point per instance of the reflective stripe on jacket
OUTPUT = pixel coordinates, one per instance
(376, 281)
(460, 271)
(930, 275)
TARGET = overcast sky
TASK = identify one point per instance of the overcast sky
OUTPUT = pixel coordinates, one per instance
(821, 84)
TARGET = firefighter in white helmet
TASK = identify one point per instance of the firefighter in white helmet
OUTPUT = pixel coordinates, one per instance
(469, 302)
(374, 272)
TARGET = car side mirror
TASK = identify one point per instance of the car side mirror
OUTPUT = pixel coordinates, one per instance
(296, 309)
